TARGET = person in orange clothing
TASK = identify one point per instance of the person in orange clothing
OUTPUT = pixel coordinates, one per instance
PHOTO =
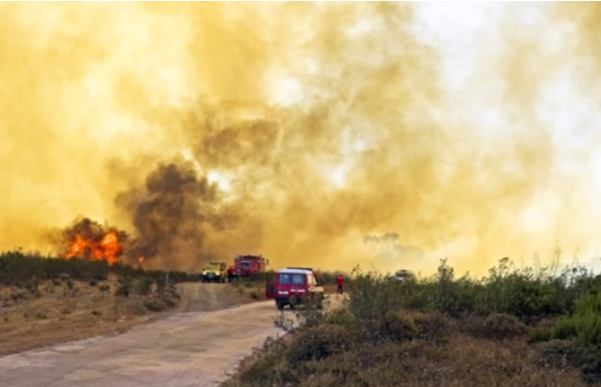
(340, 284)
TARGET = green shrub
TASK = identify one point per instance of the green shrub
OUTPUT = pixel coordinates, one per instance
(342, 317)
(432, 326)
(263, 368)
(555, 353)
(124, 288)
(394, 326)
(588, 358)
(373, 296)
(564, 328)
(501, 326)
(318, 343)
(539, 334)
(144, 286)
(587, 319)
(496, 326)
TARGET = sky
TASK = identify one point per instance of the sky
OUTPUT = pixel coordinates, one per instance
(304, 131)
(469, 37)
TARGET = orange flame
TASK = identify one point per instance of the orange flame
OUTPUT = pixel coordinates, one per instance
(141, 260)
(107, 249)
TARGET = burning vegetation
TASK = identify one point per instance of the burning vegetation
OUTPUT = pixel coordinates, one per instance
(171, 215)
(89, 240)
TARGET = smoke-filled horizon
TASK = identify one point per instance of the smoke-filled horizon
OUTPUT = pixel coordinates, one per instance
(303, 131)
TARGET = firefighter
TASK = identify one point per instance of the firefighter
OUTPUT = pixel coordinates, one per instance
(340, 283)
(231, 271)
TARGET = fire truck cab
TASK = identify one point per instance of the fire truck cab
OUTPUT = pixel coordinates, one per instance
(294, 287)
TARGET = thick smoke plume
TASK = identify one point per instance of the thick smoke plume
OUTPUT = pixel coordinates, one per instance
(173, 215)
(293, 130)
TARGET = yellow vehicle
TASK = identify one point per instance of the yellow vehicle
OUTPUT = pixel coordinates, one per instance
(214, 272)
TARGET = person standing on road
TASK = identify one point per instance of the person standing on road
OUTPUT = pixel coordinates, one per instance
(230, 273)
(340, 283)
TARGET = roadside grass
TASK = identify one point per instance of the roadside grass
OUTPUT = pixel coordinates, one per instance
(25, 276)
(46, 300)
(530, 327)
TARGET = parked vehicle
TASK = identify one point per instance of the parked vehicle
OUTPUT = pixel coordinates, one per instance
(214, 272)
(403, 275)
(308, 268)
(249, 265)
(294, 287)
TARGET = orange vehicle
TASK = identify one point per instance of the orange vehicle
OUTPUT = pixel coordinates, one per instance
(294, 287)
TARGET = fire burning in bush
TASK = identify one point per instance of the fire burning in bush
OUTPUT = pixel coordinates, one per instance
(91, 241)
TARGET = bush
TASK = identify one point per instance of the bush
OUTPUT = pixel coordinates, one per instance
(556, 354)
(342, 317)
(496, 326)
(432, 326)
(588, 358)
(501, 326)
(263, 367)
(564, 328)
(144, 286)
(539, 334)
(372, 296)
(124, 288)
(318, 343)
(587, 319)
(155, 303)
(394, 326)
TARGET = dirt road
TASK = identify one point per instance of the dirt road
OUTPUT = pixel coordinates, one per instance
(197, 348)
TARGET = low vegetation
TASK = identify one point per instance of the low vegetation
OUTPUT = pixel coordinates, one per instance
(18, 268)
(514, 327)
(45, 300)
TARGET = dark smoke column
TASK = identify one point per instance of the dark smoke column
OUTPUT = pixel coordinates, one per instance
(173, 215)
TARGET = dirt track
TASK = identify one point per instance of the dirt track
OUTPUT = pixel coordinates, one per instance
(197, 347)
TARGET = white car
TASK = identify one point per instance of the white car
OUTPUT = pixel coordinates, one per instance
(403, 275)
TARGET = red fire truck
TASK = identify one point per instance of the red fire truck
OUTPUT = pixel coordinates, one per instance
(247, 266)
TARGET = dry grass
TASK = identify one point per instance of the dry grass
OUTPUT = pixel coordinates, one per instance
(65, 310)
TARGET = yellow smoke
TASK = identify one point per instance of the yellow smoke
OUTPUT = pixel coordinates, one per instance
(319, 123)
